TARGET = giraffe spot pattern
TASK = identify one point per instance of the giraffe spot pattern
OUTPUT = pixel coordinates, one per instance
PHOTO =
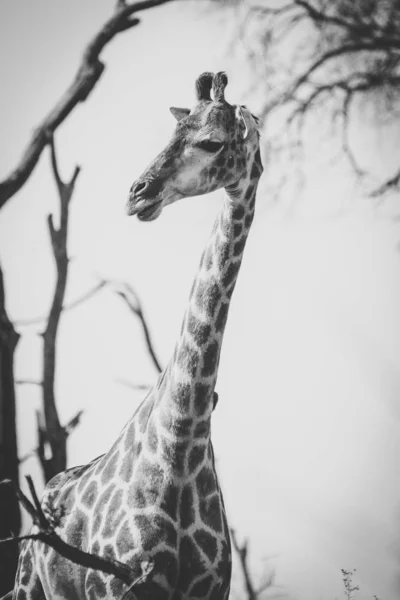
(238, 213)
(207, 542)
(208, 259)
(109, 552)
(167, 563)
(208, 296)
(248, 220)
(202, 429)
(223, 251)
(239, 246)
(126, 469)
(90, 495)
(96, 524)
(188, 359)
(169, 503)
(224, 566)
(249, 192)
(144, 413)
(181, 396)
(210, 359)
(109, 470)
(210, 512)
(231, 274)
(191, 563)
(152, 438)
(201, 588)
(136, 497)
(219, 591)
(124, 541)
(255, 171)
(26, 567)
(199, 331)
(102, 501)
(76, 529)
(179, 426)
(146, 491)
(186, 512)
(196, 457)
(237, 229)
(205, 482)
(114, 515)
(37, 590)
(95, 586)
(174, 454)
(221, 317)
(117, 588)
(201, 398)
(83, 480)
(130, 436)
(154, 529)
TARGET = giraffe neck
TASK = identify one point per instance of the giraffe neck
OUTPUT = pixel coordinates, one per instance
(189, 381)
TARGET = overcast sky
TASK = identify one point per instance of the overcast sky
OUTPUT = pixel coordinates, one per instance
(307, 429)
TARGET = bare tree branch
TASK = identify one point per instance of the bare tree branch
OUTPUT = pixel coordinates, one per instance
(340, 51)
(28, 382)
(52, 435)
(253, 593)
(88, 74)
(132, 301)
(68, 306)
(389, 185)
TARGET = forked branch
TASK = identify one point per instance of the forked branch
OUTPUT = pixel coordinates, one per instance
(89, 72)
(253, 592)
(52, 435)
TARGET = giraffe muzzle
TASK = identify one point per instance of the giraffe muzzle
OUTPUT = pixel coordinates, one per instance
(145, 210)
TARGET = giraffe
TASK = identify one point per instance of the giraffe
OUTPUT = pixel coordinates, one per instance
(155, 495)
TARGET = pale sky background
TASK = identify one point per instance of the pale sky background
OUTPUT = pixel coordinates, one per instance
(307, 429)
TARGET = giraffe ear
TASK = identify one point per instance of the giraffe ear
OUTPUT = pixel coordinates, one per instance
(246, 121)
(179, 113)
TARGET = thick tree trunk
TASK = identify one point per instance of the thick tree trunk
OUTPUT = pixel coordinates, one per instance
(10, 518)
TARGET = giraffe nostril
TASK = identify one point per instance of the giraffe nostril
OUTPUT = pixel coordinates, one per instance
(139, 188)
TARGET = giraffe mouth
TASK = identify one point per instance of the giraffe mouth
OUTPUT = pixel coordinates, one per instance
(150, 213)
(144, 209)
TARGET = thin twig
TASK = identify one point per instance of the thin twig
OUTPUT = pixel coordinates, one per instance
(132, 301)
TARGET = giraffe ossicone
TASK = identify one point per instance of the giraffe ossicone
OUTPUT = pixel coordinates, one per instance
(154, 496)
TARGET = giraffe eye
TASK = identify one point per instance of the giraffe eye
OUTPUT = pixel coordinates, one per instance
(210, 146)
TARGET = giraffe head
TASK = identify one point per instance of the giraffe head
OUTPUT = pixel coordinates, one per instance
(211, 148)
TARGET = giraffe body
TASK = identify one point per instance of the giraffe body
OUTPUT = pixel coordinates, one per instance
(155, 495)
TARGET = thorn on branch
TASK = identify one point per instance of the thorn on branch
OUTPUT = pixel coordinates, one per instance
(73, 423)
(128, 24)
